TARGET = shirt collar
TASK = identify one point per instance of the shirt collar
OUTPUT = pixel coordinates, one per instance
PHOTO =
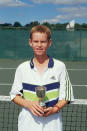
(50, 64)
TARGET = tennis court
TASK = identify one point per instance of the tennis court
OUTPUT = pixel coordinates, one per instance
(14, 52)
(74, 115)
(77, 72)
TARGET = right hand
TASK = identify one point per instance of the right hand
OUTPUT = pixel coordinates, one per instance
(34, 107)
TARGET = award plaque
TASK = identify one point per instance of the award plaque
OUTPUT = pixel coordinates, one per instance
(40, 92)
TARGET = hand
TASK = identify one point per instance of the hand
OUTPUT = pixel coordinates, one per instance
(50, 111)
(35, 108)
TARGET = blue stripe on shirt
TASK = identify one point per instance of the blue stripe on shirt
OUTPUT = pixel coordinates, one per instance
(52, 86)
(52, 103)
(49, 87)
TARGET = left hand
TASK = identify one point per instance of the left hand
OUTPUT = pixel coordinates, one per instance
(49, 111)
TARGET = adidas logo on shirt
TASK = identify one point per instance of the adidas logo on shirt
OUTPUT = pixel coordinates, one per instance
(53, 78)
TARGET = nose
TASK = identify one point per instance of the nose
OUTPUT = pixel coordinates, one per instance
(39, 43)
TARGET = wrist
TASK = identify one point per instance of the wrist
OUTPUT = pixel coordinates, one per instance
(57, 107)
(27, 104)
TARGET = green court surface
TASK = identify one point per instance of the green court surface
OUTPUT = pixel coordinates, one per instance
(74, 115)
(77, 72)
(67, 45)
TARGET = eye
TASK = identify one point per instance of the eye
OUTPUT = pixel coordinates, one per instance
(36, 41)
(43, 41)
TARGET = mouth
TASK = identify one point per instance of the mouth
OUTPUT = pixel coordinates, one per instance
(39, 49)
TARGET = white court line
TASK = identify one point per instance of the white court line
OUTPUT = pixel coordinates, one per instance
(67, 69)
(80, 85)
(7, 84)
(7, 68)
(77, 69)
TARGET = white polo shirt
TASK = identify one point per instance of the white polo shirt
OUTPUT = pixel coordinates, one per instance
(56, 80)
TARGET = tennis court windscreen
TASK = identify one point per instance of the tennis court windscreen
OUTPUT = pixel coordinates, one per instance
(74, 115)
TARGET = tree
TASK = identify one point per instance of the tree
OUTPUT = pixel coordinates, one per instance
(33, 23)
(84, 25)
(78, 26)
(6, 25)
(17, 24)
(47, 24)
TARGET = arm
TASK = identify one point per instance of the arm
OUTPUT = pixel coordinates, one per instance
(33, 106)
(55, 108)
(16, 95)
(65, 92)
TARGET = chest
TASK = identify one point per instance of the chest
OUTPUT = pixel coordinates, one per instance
(47, 77)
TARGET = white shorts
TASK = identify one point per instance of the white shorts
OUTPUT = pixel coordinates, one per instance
(28, 122)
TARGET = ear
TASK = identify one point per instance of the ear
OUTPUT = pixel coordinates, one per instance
(30, 42)
(49, 43)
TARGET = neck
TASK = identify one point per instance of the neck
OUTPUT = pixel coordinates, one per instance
(41, 59)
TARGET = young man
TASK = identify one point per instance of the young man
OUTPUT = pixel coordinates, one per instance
(41, 70)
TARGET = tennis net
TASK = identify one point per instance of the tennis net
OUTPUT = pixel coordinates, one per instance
(74, 115)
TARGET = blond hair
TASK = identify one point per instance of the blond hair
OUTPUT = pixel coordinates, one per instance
(41, 29)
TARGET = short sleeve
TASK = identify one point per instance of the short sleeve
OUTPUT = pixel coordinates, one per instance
(17, 85)
(66, 90)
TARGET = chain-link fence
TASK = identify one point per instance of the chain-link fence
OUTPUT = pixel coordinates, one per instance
(66, 45)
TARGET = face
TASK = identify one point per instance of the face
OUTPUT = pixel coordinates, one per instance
(39, 43)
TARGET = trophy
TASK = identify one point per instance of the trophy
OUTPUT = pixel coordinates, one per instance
(40, 92)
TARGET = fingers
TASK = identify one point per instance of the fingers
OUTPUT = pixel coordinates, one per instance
(36, 112)
(48, 111)
(35, 108)
(39, 108)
